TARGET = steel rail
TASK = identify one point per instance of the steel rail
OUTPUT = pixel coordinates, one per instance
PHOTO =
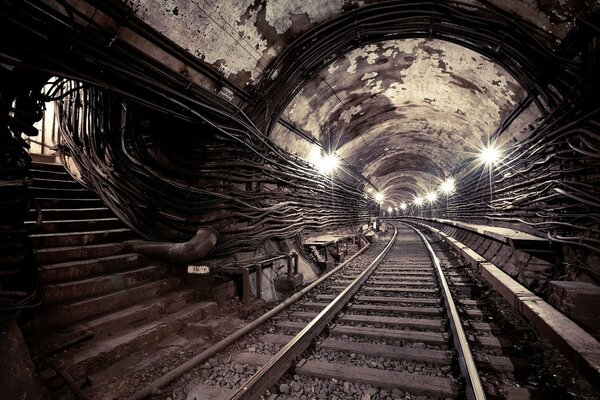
(269, 374)
(224, 343)
(466, 362)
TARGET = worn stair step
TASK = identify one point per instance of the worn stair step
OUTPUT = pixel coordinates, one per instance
(114, 320)
(70, 203)
(51, 183)
(45, 240)
(58, 214)
(387, 351)
(62, 314)
(100, 353)
(73, 290)
(54, 255)
(47, 165)
(56, 175)
(82, 269)
(416, 323)
(77, 225)
(413, 383)
(434, 338)
(62, 193)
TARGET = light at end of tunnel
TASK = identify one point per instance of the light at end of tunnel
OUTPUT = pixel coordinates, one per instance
(431, 197)
(448, 186)
(403, 206)
(489, 155)
(379, 197)
(418, 201)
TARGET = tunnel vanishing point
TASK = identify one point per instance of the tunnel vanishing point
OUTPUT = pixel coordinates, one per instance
(170, 169)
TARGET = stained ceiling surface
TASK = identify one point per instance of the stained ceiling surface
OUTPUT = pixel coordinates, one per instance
(404, 113)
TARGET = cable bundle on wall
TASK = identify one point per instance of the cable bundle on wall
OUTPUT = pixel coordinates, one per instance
(166, 177)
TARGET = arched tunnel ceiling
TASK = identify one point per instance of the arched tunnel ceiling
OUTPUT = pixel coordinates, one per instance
(241, 37)
(404, 113)
(413, 108)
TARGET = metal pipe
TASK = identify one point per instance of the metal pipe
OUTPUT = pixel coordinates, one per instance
(210, 352)
(194, 249)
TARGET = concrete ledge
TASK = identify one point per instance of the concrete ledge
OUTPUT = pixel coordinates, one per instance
(579, 347)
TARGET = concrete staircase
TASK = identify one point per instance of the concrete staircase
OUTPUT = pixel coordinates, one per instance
(101, 303)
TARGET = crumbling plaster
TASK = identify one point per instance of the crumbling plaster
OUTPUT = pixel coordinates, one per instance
(241, 37)
(412, 107)
(404, 112)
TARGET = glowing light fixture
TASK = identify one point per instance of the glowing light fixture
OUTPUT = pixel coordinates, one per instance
(326, 164)
(431, 197)
(329, 163)
(390, 209)
(403, 206)
(448, 186)
(379, 197)
(489, 155)
(418, 201)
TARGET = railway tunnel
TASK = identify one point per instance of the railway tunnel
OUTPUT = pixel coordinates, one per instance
(299, 199)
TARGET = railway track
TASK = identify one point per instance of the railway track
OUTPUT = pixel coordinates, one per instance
(403, 321)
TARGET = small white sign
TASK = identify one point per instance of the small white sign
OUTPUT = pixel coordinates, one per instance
(198, 269)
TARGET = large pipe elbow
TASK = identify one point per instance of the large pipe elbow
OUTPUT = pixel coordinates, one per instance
(194, 249)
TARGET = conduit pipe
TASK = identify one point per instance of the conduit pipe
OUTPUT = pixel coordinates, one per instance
(224, 343)
(194, 249)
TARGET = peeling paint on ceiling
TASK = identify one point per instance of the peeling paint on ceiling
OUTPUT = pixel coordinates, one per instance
(404, 112)
(241, 37)
(410, 107)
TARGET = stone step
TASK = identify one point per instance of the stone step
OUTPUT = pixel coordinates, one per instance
(47, 166)
(44, 174)
(61, 193)
(70, 203)
(49, 341)
(63, 314)
(77, 225)
(50, 183)
(100, 353)
(45, 240)
(81, 269)
(73, 290)
(54, 255)
(59, 214)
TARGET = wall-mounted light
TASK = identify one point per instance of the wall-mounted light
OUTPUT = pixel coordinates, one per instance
(403, 206)
(448, 186)
(329, 163)
(431, 197)
(418, 201)
(379, 197)
(390, 209)
(489, 155)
